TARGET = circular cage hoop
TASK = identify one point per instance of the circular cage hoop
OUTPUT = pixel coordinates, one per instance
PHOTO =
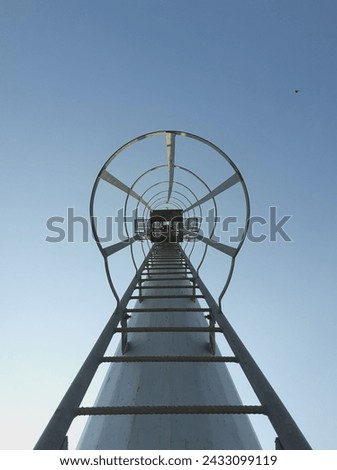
(170, 136)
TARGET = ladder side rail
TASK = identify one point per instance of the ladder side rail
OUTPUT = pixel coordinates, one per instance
(54, 434)
(287, 430)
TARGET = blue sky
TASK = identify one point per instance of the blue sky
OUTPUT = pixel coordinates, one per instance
(80, 78)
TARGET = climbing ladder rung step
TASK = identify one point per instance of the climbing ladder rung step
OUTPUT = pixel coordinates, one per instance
(177, 256)
(159, 410)
(167, 329)
(167, 260)
(174, 296)
(167, 309)
(170, 359)
(167, 263)
(167, 278)
(175, 271)
(162, 268)
(165, 287)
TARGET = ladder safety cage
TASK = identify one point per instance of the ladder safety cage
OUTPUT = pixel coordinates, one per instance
(167, 230)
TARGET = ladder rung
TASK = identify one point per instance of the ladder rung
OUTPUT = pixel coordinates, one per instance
(174, 259)
(165, 287)
(176, 271)
(170, 359)
(162, 267)
(167, 309)
(155, 410)
(167, 329)
(168, 278)
(166, 263)
(174, 296)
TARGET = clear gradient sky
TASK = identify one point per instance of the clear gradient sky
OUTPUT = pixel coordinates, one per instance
(78, 79)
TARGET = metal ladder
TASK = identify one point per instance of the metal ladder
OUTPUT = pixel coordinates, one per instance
(170, 259)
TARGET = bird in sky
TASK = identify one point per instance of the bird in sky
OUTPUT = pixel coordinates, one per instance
(297, 91)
